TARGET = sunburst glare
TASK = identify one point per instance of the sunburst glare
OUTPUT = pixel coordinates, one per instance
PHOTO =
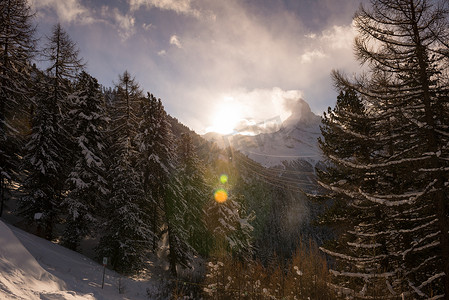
(227, 115)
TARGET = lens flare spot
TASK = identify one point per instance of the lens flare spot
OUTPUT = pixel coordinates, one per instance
(223, 178)
(220, 195)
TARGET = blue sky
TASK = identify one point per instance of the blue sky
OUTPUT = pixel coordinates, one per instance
(214, 61)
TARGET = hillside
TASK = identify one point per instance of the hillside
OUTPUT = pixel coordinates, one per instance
(34, 268)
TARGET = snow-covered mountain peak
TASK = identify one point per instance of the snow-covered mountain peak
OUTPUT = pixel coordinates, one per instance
(295, 139)
(301, 114)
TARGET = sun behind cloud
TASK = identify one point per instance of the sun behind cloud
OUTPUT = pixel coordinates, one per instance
(226, 116)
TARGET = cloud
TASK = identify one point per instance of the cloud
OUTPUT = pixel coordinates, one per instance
(146, 27)
(179, 6)
(339, 37)
(174, 40)
(124, 22)
(258, 60)
(244, 51)
(67, 11)
(257, 106)
(309, 56)
(73, 11)
(247, 50)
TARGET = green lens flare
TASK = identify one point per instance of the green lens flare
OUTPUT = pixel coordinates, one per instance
(223, 178)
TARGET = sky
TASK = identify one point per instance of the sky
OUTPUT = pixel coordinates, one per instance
(214, 63)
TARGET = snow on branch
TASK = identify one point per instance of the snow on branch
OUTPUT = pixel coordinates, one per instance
(362, 275)
(374, 234)
(436, 276)
(352, 258)
(418, 227)
(418, 291)
(413, 249)
(442, 132)
(380, 165)
(365, 246)
(384, 199)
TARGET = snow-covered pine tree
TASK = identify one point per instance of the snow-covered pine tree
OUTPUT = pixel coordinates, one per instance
(42, 164)
(230, 226)
(125, 110)
(154, 174)
(48, 150)
(175, 210)
(361, 256)
(64, 63)
(17, 45)
(196, 193)
(86, 183)
(165, 202)
(227, 219)
(405, 44)
(126, 235)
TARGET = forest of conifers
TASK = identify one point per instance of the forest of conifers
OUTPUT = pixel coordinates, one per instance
(81, 160)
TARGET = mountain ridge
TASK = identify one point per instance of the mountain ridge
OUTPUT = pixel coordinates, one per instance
(296, 138)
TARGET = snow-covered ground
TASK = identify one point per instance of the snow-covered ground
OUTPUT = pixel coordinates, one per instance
(34, 268)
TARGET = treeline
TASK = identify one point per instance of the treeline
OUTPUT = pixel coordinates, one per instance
(103, 162)
(386, 143)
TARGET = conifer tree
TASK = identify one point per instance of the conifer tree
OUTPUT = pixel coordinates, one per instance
(230, 226)
(196, 193)
(86, 183)
(17, 45)
(42, 164)
(405, 90)
(64, 63)
(175, 211)
(363, 262)
(126, 234)
(49, 149)
(165, 202)
(154, 173)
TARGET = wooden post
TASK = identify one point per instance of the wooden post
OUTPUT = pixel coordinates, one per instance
(105, 262)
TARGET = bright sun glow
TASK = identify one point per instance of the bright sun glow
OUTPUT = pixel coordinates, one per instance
(226, 117)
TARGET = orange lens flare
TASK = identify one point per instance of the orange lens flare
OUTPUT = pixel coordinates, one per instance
(220, 195)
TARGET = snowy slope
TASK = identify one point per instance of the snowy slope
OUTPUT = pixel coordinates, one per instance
(295, 140)
(34, 268)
